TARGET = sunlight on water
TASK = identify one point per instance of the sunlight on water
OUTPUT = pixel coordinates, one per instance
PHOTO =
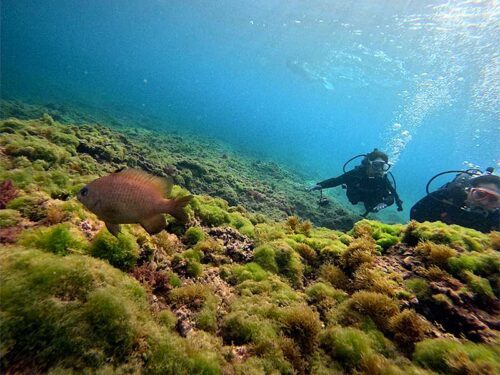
(441, 60)
(356, 66)
(454, 35)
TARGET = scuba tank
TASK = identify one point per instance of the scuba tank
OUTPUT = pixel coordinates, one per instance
(457, 187)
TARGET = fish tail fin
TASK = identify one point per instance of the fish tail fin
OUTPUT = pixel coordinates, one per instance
(175, 207)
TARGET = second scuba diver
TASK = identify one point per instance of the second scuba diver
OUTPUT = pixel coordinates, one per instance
(471, 200)
(367, 183)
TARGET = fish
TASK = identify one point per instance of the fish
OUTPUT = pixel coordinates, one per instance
(132, 196)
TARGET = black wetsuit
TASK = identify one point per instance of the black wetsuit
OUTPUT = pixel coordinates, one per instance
(362, 188)
(442, 205)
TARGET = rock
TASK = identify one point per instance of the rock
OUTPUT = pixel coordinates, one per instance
(7, 193)
(236, 246)
(184, 323)
(9, 235)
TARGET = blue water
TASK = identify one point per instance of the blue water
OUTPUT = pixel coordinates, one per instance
(307, 83)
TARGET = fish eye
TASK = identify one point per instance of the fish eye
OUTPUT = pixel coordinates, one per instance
(84, 191)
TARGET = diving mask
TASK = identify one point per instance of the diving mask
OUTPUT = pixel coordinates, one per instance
(379, 166)
(484, 195)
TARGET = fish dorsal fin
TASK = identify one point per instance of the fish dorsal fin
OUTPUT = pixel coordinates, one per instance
(163, 185)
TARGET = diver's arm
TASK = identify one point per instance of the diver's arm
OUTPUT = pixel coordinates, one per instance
(346, 178)
(333, 182)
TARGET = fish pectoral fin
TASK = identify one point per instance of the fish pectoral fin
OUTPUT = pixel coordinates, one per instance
(175, 207)
(114, 229)
(154, 224)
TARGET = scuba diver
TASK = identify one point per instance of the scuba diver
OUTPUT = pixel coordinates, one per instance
(471, 199)
(367, 183)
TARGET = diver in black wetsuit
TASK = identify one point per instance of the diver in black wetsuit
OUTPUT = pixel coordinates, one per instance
(469, 200)
(367, 183)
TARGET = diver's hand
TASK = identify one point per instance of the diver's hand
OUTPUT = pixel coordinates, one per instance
(314, 187)
(400, 206)
(379, 207)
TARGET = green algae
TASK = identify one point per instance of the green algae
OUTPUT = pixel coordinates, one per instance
(373, 306)
(279, 257)
(9, 218)
(241, 223)
(59, 239)
(334, 275)
(240, 273)
(286, 297)
(480, 286)
(450, 356)
(434, 253)
(91, 314)
(189, 262)
(440, 233)
(347, 345)
(408, 328)
(240, 328)
(302, 325)
(367, 278)
(385, 235)
(31, 207)
(481, 263)
(202, 300)
(194, 235)
(121, 251)
(265, 257)
(420, 287)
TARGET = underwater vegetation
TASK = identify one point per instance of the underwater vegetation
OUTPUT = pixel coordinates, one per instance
(243, 288)
(201, 166)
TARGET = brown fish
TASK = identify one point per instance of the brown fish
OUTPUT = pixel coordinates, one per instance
(132, 196)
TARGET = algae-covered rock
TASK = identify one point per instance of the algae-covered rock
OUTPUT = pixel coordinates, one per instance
(481, 263)
(240, 273)
(408, 328)
(212, 212)
(324, 297)
(32, 207)
(9, 218)
(194, 235)
(59, 239)
(251, 285)
(75, 312)
(451, 356)
(302, 325)
(7, 192)
(33, 148)
(440, 233)
(359, 252)
(241, 223)
(375, 306)
(385, 235)
(121, 252)
(80, 314)
(279, 257)
(188, 263)
(349, 346)
(240, 328)
(200, 303)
